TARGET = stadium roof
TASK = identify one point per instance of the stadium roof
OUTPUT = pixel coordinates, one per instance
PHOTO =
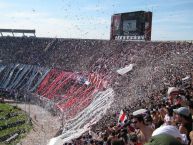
(23, 31)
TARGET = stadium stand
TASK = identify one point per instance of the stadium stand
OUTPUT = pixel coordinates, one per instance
(94, 63)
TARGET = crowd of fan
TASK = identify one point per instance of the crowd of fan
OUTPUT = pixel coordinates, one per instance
(157, 66)
(166, 120)
(156, 63)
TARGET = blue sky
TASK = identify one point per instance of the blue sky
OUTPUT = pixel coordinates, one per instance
(172, 19)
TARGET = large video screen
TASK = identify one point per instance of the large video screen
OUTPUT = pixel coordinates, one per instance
(129, 25)
(133, 25)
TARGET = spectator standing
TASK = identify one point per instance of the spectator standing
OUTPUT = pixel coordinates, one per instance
(145, 131)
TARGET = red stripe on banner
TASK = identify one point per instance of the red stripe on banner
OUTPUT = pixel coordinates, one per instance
(71, 97)
(70, 102)
(52, 76)
(122, 118)
(44, 81)
(53, 84)
(59, 81)
(98, 80)
(82, 102)
(78, 89)
(71, 90)
(59, 86)
(67, 89)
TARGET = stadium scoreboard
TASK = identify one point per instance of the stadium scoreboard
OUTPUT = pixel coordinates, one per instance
(131, 26)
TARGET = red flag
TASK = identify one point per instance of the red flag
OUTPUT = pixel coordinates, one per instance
(122, 117)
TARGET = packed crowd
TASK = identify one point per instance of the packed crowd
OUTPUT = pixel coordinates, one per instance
(159, 65)
(165, 120)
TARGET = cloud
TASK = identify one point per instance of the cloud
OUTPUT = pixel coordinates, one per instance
(172, 35)
(85, 24)
(96, 7)
(151, 7)
(48, 26)
(178, 17)
(23, 15)
(5, 5)
(169, 32)
(179, 2)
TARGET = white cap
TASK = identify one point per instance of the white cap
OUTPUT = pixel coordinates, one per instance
(172, 89)
(168, 129)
